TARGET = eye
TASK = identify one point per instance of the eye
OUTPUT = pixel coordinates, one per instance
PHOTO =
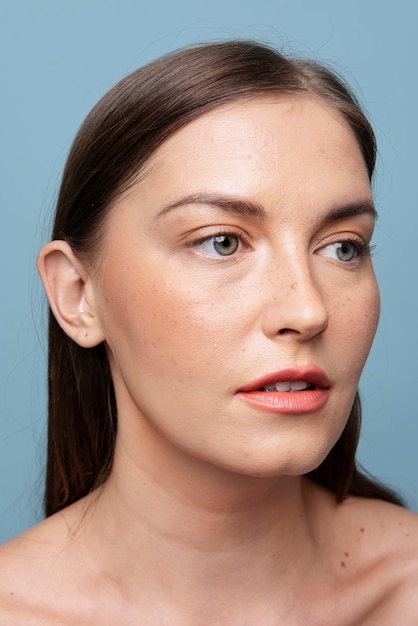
(345, 251)
(222, 245)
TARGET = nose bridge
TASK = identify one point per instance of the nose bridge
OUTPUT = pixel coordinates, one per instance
(297, 303)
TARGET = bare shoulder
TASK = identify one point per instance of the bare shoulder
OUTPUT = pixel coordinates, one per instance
(371, 550)
(34, 568)
(388, 536)
(24, 564)
(392, 530)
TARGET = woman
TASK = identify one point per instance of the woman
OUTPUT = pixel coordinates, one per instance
(213, 303)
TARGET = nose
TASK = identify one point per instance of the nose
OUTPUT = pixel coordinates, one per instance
(297, 307)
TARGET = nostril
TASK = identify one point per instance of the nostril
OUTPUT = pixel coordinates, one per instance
(283, 331)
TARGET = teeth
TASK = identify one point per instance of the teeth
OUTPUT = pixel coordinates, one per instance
(283, 386)
(271, 387)
(298, 385)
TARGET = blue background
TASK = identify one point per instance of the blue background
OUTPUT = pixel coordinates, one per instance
(58, 57)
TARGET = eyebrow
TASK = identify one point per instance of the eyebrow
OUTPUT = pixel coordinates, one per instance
(248, 208)
(236, 206)
(351, 210)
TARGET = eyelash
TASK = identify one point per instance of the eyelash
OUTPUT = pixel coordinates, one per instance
(364, 249)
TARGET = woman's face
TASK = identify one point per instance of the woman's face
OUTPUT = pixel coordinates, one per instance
(236, 290)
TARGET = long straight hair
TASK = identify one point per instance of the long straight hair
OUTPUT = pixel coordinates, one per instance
(111, 148)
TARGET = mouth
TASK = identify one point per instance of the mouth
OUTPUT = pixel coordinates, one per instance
(291, 391)
(290, 380)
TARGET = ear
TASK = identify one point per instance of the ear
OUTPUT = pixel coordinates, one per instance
(70, 293)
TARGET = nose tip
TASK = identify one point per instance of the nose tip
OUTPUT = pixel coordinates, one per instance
(301, 312)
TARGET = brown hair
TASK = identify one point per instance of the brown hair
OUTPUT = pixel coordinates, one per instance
(114, 143)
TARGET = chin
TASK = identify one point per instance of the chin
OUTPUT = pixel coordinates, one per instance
(275, 466)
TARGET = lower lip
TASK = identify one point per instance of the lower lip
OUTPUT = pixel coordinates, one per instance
(294, 403)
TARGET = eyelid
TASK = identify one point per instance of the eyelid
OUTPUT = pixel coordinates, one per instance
(219, 231)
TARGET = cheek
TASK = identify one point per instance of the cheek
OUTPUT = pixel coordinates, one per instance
(369, 311)
(159, 322)
(355, 325)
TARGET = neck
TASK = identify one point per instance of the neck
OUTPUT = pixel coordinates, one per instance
(202, 530)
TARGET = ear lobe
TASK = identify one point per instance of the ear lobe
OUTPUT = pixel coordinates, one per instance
(68, 289)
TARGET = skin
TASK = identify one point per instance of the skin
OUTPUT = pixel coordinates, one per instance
(219, 319)
(206, 518)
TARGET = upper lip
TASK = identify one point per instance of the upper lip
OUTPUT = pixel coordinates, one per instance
(312, 375)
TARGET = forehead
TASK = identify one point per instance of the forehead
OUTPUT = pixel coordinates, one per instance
(258, 144)
(248, 117)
